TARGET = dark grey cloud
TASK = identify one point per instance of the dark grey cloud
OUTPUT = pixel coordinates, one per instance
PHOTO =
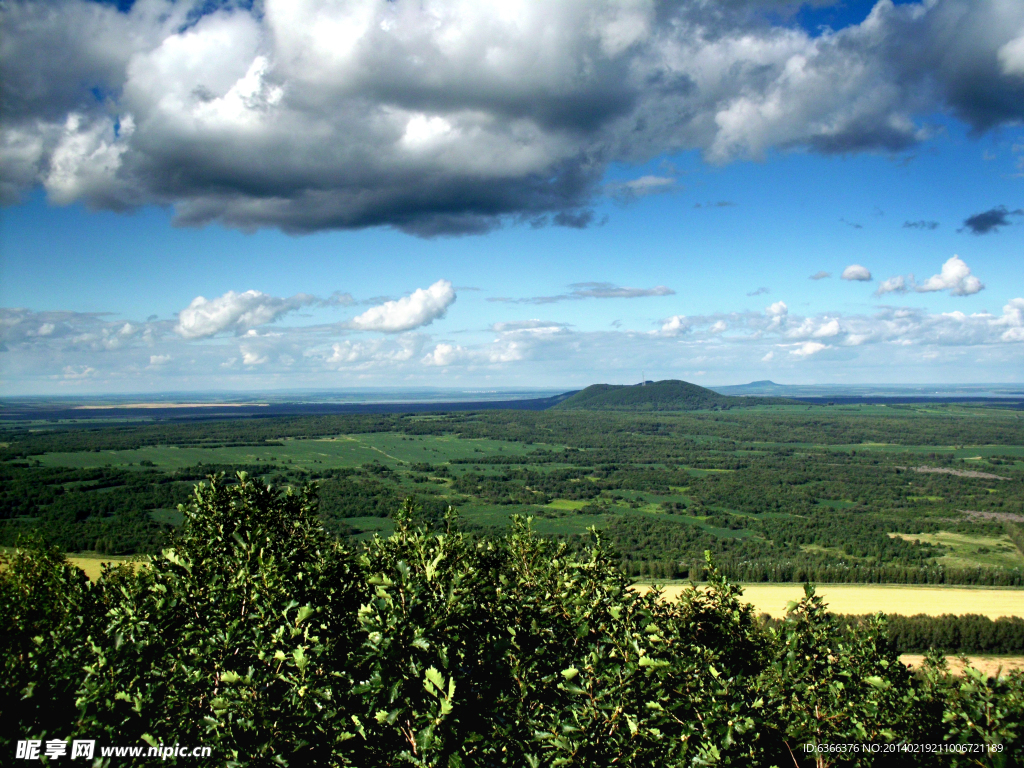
(852, 224)
(265, 118)
(921, 224)
(592, 291)
(759, 292)
(820, 275)
(719, 204)
(990, 221)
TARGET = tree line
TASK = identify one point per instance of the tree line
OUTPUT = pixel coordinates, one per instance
(948, 634)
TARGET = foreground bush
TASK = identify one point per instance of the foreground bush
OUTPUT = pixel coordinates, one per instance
(260, 636)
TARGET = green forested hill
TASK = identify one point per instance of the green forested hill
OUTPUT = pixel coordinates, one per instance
(668, 395)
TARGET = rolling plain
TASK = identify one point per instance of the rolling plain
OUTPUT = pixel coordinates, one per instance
(904, 508)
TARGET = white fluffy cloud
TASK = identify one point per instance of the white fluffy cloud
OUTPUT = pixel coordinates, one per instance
(856, 272)
(1013, 320)
(374, 353)
(236, 312)
(422, 307)
(444, 355)
(444, 117)
(808, 348)
(676, 325)
(897, 284)
(955, 277)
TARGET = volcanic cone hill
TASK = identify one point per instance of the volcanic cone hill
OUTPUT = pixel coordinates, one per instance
(668, 395)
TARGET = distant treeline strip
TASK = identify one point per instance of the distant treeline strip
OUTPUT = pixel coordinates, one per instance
(757, 571)
(949, 633)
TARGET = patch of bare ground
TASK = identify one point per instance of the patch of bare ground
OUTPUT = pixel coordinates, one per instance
(991, 666)
(993, 515)
(957, 472)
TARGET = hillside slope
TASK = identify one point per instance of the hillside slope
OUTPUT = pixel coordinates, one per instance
(668, 395)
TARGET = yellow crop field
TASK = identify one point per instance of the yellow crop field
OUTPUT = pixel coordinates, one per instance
(992, 666)
(888, 598)
(93, 566)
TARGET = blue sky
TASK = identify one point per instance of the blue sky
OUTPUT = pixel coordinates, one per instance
(697, 213)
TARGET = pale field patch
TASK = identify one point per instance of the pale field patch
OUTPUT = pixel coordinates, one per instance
(859, 599)
(567, 504)
(991, 666)
(93, 565)
(967, 551)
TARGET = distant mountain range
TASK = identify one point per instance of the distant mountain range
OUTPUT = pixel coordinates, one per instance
(668, 395)
(770, 388)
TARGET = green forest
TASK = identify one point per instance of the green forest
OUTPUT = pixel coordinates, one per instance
(259, 634)
(922, 494)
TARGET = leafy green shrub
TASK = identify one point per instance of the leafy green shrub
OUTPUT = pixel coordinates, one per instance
(238, 636)
(47, 608)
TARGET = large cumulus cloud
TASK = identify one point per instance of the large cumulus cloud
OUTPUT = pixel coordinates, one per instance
(239, 312)
(422, 307)
(451, 117)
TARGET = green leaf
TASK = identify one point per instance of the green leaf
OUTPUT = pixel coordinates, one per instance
(877, 682)
(433, 681)
(647, 661)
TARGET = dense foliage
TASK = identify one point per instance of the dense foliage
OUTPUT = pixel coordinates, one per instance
(260, 635)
